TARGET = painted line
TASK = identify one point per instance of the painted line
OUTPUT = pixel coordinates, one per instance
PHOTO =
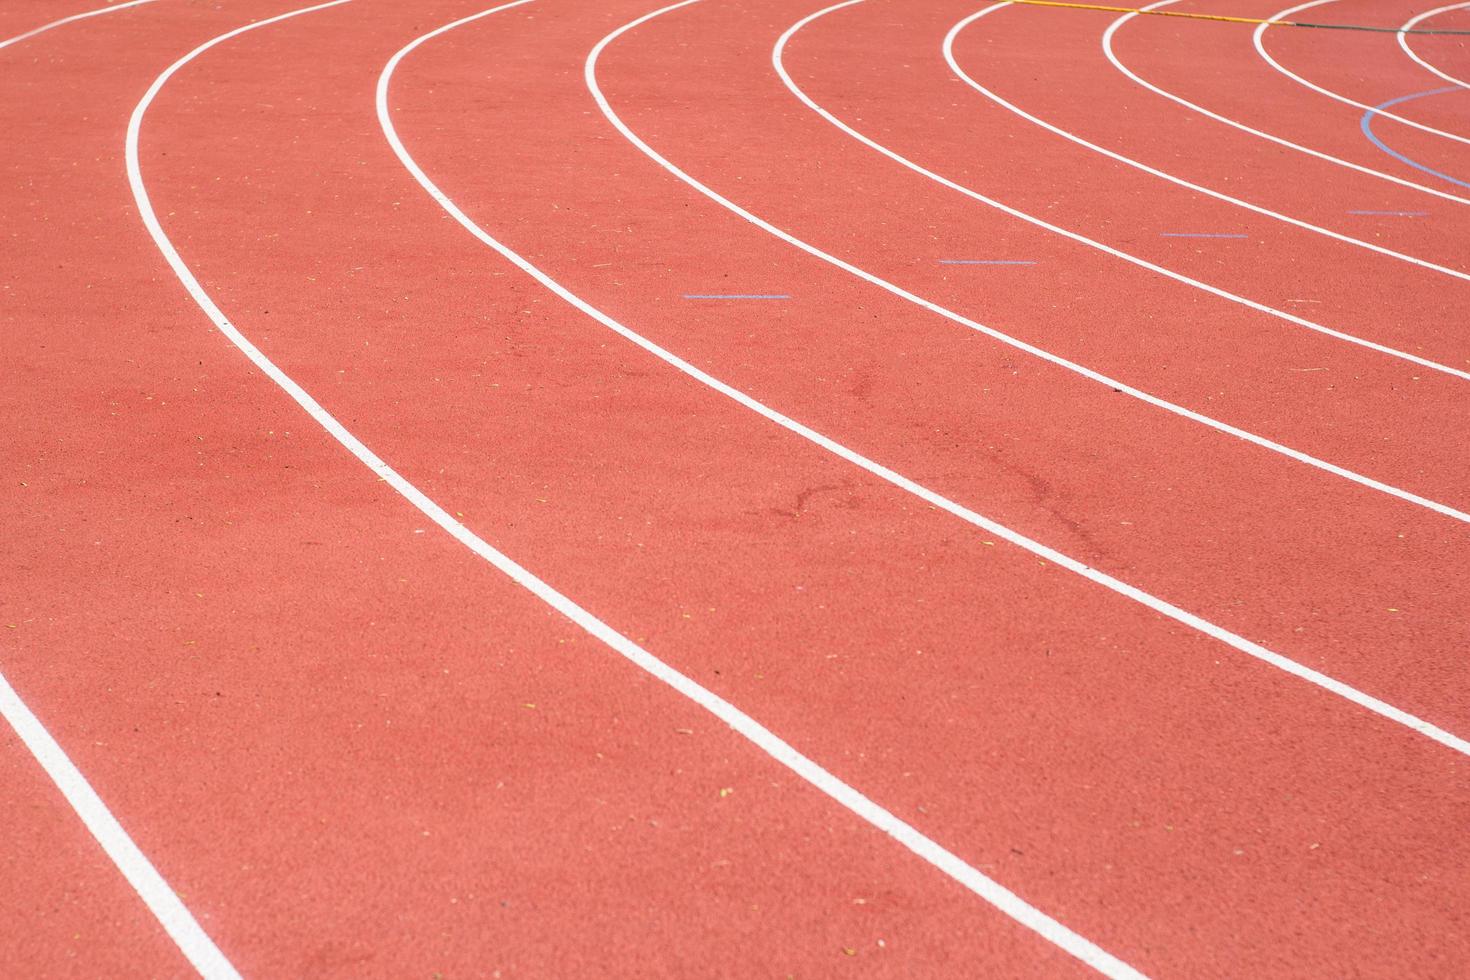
(777, 60)
(1257, 37)
(1366, 124)
(98, 12)
(984, 887)
(1199, 234)
(121, 850)
(1395, 214)
(1408, 28)
(1195, 107)
(737, 296)
(985, 262)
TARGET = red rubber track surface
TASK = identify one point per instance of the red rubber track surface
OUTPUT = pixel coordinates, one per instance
(355, 749)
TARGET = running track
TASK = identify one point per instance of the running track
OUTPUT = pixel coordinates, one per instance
(1079, 557)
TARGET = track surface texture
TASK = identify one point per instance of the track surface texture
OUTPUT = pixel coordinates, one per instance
(744, 488)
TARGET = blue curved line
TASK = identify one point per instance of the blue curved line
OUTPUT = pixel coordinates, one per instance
(1367, 125)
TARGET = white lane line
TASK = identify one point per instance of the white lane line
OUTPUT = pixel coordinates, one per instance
(1258, 37)
(590, 73)
(1107, 44)
(882, 472)
(777, 60)
(1279, 141)
(1414, 22)
(780, 751)
(68, 20)
(140, 873)
(126, 856)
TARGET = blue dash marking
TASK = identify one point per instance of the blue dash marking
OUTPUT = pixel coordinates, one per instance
(737, 296)
(1366, 124)
(985, 262)
(1199, 234)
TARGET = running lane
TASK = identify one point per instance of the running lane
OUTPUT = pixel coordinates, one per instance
(1038, 726)
(1000, 51)
(350, 745)
(1217, 67)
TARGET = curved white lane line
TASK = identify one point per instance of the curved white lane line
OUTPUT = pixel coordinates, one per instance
(884, 473)
(1258, 35)
(68, 20)
(1279, 141)
(590, 73)
(121, 850)
(777, 61)
(777, 749)
(1414, 22)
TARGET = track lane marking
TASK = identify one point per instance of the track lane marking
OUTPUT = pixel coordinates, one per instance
(1258, 38)
(777, 60)
(1113, 384)
(99, 11)
(1408, 28)
(776, 748)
